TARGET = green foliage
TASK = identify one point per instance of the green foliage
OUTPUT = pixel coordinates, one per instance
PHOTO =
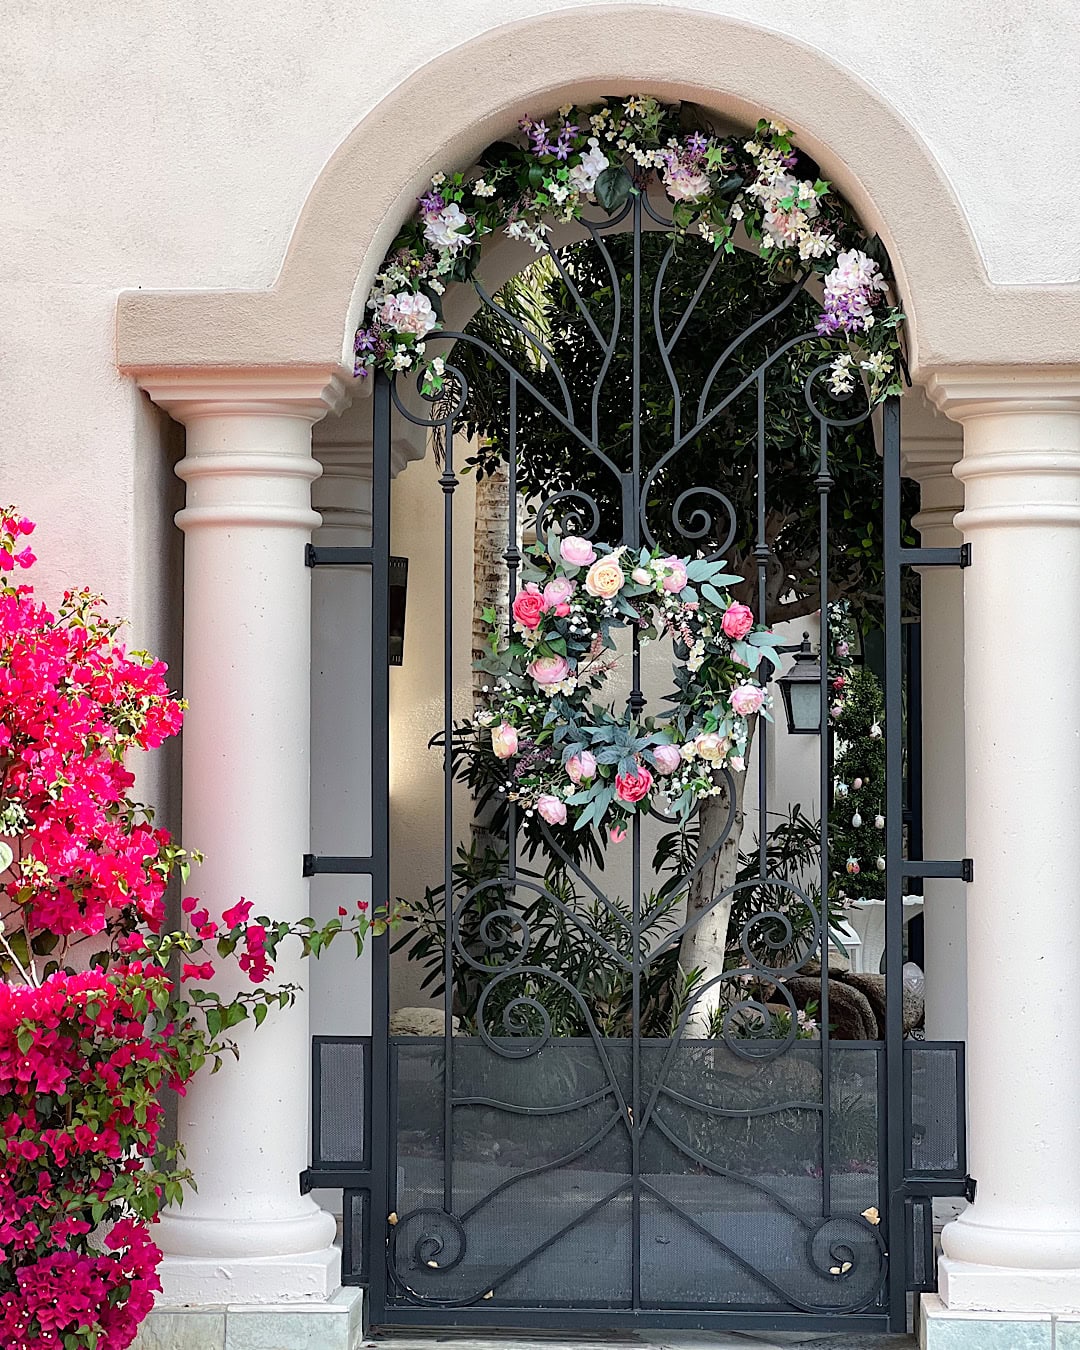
(584, 976)
(724, 455)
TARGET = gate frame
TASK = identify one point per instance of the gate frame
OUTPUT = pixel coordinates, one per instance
(905, 1190)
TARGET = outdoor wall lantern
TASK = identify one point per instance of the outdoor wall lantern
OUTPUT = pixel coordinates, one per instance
(397, 591)
(801, 691)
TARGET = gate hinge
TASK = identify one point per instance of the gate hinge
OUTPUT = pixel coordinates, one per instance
(337, 865)
(936, 557)
(335, 556)
(961, 870)
(969, 1188)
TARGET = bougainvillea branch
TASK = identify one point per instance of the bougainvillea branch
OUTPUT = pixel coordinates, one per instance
(759, 190)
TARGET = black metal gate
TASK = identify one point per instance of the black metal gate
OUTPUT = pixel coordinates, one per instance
(504, 1174)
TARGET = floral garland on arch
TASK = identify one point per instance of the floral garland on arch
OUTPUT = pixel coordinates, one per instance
(599, 155)
(571, 760)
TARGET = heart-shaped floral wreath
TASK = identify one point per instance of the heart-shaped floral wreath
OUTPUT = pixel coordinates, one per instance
(573, 761)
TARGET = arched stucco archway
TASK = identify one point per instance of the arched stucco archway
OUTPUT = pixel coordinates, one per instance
(454, 106)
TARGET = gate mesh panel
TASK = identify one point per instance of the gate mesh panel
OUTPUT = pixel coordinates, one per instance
(341, 1073)
(935, 1093)
(732, 1189)
(356, 1244)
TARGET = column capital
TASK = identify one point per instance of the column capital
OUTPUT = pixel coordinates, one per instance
(930, 461)
(928, 457)
(248, 455)
(1021, 461)
(967, 392)
(191, 393)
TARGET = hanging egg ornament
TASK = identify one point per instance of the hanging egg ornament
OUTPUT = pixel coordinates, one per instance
(842, 649)
(853, 867)
(875, 730)
(881, 864)
(857, 784)
(879, 822)
(841, 789)
(836, 710)
(856, 821)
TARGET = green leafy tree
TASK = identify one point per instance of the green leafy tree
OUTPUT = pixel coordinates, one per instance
(748, 312)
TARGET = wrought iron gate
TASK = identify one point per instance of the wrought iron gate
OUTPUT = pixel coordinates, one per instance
(504, 1175)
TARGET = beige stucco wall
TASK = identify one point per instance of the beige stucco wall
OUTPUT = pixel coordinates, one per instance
(173, 147)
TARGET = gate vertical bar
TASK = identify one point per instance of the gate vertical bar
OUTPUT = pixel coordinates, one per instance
(824, 483)
(448, 482)
(382, 1106)
(894, 845)
(631, 536)
(761, 556)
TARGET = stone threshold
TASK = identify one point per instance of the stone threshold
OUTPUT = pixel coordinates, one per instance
(336, 1325)
(942, 1328)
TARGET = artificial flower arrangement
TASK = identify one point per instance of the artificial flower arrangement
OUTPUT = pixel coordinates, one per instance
(573, 761)
(598, 156)
(101, 1007)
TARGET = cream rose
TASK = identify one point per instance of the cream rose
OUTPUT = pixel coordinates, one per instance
(712, 746)
(605, 578)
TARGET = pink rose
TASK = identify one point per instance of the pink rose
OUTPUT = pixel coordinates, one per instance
(747, 699)
(504, 740)
(616, 834)
(737, 621)
(552, 809)
(640, 577)
(549, 669)
(581, 767)
(667, 758)
(528, 608)
(605, 578)
(576, 552)
(676, 578)
(632, 787)
(558, 591)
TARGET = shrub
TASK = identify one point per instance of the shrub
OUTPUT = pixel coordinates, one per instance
(95, 1019)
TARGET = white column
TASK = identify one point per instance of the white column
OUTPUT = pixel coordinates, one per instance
(929, 459)
(1017, 1248)
(248, 1235)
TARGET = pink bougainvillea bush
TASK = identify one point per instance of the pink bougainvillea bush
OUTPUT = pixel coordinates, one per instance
(100, 1009)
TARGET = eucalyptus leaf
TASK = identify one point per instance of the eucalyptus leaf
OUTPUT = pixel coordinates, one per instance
(613, 188)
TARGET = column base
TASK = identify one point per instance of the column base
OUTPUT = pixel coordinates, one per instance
(336, 1324)
(967, 1287)
(942, 1328)
(196, 1281)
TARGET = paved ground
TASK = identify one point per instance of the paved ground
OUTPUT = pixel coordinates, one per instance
(661, 1340)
